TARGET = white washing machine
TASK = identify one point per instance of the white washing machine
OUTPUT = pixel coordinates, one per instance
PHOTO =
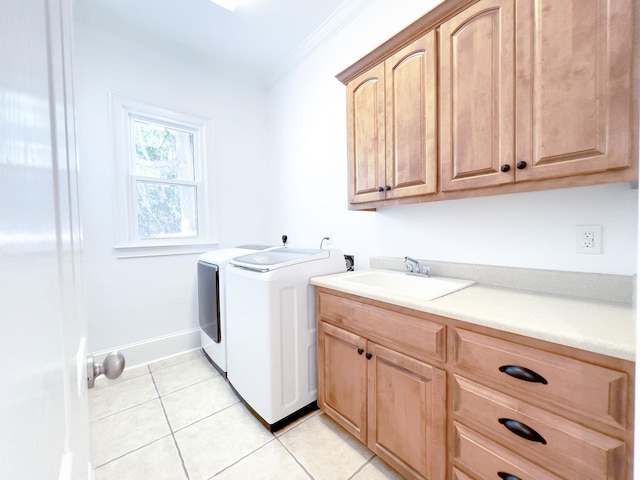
(271, 337)
(211, 301)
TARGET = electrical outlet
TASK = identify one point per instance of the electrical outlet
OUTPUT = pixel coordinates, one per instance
(350, 262)
(589, 239)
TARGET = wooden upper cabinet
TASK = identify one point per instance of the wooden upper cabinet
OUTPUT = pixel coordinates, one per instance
(391, 117)
(366, 135)
(476, 96)
(559, 107)
(573, 92)
(495, 96)
(411, 117)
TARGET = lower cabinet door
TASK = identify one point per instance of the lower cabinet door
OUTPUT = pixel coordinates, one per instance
(407, 416)
(342, 378)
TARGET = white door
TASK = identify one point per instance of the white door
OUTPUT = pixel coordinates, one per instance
(44, 431)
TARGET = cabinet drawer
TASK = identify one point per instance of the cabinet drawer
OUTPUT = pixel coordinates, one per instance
(588, 390)
(486, 459)
(458, 475)
(566, 448)
(411, 335)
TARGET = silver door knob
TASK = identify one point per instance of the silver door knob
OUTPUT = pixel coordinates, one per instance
(111, 367)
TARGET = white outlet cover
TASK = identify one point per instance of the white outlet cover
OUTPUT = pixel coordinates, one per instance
(589, 239)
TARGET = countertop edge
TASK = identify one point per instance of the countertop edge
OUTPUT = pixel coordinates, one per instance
(585, 330)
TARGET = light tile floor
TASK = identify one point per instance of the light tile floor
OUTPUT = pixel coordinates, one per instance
(178, 419)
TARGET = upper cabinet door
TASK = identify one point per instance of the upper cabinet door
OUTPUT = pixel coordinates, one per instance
(477, 96)
(411, 115)
(574, 87)
(366, 135)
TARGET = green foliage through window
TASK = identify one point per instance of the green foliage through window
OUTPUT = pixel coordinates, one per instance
(163, 152)
(165, 209)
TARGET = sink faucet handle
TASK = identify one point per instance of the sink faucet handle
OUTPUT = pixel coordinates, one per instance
(412, 265)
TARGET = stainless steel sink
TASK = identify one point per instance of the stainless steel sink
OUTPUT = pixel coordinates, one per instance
(405, 285)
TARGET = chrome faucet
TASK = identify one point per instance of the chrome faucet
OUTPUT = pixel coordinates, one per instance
(414, 267)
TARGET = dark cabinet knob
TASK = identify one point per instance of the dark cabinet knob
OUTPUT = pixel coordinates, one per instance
(507, 476)
(522, 430)
(521, 165)
(387, 187)
(380, 189)
(360, 351)
(368, 355)
(523, 373)
(505, 168)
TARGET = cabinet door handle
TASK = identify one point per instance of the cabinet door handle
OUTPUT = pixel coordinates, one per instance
(380, 189)
(505, 168)
(507, 476)
(521, 165)
(523, 373)
(368, 355)
(522, 430)
(360, 351)
(387, 187)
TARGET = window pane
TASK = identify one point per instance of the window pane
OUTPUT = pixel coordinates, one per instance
(163, 152)
(166, 210)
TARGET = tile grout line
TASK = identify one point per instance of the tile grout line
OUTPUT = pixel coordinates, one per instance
(95, 467)
(175, 442)
(132, 406)
(130, 452)
(294, 457)
(125, 409)
(185, 387)
(195, 358)
(242, 458)
(361, 467)
(206, 417)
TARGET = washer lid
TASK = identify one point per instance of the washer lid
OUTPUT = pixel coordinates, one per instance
(223, 255)
(268, 260)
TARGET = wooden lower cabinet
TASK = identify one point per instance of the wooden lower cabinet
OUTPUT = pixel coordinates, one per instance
(487, 460)
(543, 414)
(406, 421)
(342, 378)
(568, 449)
(482, 405)
(393, 403)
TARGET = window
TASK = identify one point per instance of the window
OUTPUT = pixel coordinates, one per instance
(161, 179)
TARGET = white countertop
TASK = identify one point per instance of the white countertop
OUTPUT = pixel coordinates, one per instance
(594, 325)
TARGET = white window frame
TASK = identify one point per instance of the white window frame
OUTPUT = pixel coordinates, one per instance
(127, 241)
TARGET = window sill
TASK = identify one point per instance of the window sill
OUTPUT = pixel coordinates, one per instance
(138, 251)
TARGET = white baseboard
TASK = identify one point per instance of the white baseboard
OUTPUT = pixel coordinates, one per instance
(154, 349)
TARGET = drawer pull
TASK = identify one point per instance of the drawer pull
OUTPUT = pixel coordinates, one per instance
(522, 373)
(507, 476)
(522, 430)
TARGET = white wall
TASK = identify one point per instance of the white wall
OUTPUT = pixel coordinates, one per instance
(137, 299)
(535, 230)
(280, 160)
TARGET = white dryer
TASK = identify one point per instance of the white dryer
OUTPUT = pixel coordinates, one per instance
(211, 301)
(271, 335)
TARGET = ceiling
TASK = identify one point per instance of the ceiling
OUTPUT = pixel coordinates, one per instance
(260, 41)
